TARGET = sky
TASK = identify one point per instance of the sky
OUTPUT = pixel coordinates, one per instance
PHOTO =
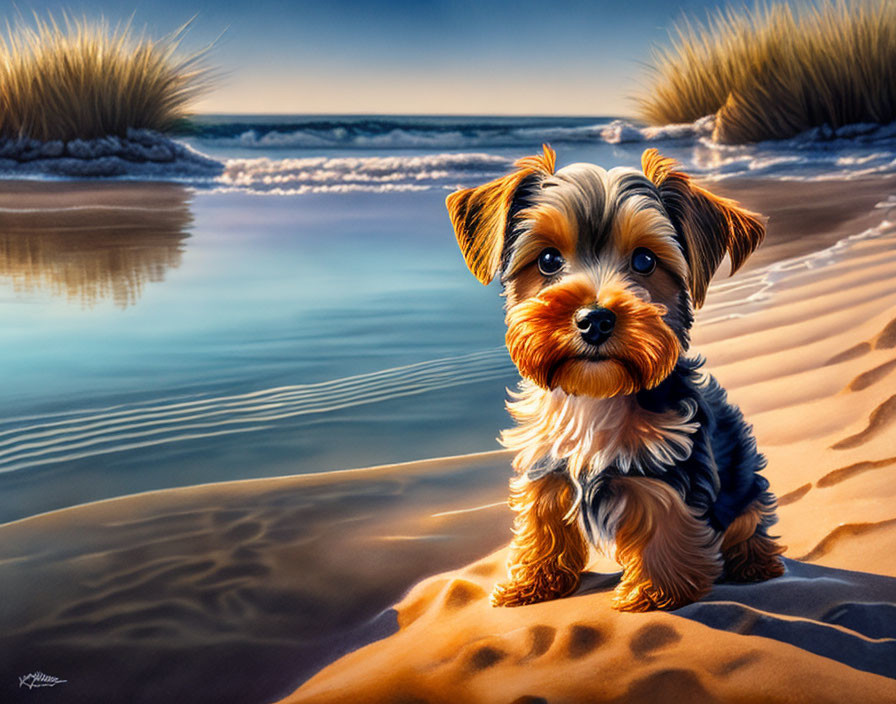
(566, 57)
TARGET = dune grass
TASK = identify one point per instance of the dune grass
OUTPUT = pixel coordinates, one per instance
(773, 71)
(82, 79)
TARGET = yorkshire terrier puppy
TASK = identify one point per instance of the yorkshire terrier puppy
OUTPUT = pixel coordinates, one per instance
(620, 437)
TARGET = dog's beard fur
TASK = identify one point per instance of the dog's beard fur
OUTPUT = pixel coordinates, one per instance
(590, 434)
(547, 348)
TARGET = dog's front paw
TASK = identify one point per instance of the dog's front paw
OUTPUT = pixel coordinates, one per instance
(632, 600)
(514, 594)
(647, 597)
(540, 588)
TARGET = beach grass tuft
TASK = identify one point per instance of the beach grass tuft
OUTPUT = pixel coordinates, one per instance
(85, 79)
(775, 71)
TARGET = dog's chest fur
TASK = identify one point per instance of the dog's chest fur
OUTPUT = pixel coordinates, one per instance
(589, 435)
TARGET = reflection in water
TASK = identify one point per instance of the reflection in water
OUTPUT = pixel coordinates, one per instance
(91, 241)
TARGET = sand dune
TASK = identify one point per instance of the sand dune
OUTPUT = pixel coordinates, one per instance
(811, 636)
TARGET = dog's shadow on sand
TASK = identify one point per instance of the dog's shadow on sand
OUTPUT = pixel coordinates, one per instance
(846, 616)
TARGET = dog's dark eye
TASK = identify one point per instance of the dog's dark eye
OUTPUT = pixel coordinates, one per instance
(550, 261)
(643, 261)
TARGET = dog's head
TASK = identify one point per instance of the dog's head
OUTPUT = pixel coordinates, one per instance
(601, 269)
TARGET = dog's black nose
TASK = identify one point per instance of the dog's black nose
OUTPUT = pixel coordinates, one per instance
(596, 324)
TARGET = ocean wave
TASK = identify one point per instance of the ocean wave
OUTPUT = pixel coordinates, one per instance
(462, 153)
(852, 151)
(352, 174)
(437, 133)
(481, 133)
(384, 174)
(623, 132)
(821, 153)
(397, 133)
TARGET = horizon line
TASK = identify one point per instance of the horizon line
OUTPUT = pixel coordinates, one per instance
(229, 113)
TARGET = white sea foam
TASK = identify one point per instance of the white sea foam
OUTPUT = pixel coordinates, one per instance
(348, 174)
(852, 151)
(621, 131)
(424, 136)
(400, 136)
(758, 287)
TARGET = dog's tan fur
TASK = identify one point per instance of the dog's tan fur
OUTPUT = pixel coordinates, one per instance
(548, 552)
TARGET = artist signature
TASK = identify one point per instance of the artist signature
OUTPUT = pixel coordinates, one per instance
(39, 679)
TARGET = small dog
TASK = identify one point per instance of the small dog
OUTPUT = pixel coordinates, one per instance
(619, 436)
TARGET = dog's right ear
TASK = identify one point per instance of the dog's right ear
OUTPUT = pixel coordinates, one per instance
(479, 215)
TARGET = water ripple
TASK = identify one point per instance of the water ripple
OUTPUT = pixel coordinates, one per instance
(44, 439)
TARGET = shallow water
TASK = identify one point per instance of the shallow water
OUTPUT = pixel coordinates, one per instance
(282, 335)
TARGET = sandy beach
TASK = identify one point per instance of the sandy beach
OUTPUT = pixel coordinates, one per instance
(255, 441)
(314, 581)
(807, 353)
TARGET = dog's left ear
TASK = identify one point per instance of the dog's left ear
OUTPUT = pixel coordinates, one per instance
(709, 224)
(479, 215)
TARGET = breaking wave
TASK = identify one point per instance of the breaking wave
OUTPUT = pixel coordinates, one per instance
(398, 133)
(347, 174)
(384, 154)
(481, 133)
